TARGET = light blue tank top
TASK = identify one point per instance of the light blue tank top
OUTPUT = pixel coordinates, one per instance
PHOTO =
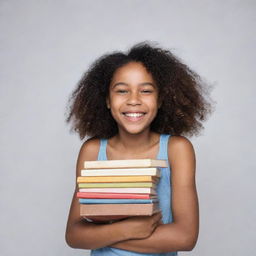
(164, 197)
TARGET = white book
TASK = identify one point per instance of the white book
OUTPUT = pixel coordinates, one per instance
(122, 172)
(120, 190)
(128, 163)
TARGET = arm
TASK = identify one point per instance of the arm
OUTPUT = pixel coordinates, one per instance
(182, 233)
(84, 235)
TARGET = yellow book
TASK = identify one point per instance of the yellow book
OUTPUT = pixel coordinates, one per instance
(109, 179)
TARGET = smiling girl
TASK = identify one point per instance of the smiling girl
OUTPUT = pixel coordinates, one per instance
(135, 106)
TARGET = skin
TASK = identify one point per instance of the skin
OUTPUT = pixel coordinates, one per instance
(133, 90)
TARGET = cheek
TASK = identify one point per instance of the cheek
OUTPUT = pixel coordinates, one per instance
(152, 102)
(116, 102)
(113, 104)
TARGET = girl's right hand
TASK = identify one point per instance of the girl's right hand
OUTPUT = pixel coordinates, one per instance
(140, 227)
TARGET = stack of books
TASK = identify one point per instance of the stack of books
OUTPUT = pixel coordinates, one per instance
(119, 188)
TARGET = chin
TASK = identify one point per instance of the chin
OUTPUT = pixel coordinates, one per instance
(134, 130)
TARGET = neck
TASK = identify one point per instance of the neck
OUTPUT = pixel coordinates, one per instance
(136, 142)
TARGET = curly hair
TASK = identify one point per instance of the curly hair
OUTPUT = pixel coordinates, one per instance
(184, 97)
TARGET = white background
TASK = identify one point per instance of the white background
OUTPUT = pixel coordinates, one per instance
(45, 46)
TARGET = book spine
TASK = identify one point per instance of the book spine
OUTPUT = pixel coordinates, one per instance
(118, 209)
(114, 195)
(116, 201)
(132, 163)
(117, 185)
(107, 179)
(119, 173)
(119, 190)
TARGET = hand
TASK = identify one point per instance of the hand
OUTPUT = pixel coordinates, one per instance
(140, 227)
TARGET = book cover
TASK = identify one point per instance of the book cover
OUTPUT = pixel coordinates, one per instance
(116, 201)
(128, 163)
(118, 185)
(118, 209)
(120, 190)
(107, 179)
(114, 195)
(122, 172)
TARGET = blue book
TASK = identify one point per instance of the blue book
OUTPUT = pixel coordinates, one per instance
(117, 201)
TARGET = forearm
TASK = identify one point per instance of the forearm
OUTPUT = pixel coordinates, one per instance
(165, 238)
(84, 235)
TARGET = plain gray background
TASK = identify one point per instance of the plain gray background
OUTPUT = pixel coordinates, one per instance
(44, 49)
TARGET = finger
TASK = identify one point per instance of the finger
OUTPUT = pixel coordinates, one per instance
(158, 216)
(155, 220)
(156, 224)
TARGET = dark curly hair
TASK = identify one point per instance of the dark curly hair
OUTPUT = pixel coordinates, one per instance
(184, 97)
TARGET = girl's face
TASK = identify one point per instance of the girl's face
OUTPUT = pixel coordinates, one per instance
(133, 98)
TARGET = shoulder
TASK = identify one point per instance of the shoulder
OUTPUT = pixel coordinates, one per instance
(179, 143)
(181, 153)
(88, 152)
(89, 149)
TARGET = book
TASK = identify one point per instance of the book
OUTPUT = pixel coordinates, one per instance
(128, 163)
(151, 191)
(99, 179)
(116, 201)
(114, 195)
(118, 209)
(122, 172)
(118, 185)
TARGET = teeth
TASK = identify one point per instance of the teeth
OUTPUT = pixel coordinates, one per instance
(134, 114)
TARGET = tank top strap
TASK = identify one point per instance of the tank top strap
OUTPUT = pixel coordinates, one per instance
(102, 151)
(163, 146)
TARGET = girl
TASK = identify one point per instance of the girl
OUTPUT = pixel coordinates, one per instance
(138, 105)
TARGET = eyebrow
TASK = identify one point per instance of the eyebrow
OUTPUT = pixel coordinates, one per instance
(122, 83)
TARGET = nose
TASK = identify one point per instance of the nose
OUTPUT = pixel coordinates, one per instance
(134, 99)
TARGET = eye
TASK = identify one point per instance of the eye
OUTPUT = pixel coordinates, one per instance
(146, 91)
(121, 91)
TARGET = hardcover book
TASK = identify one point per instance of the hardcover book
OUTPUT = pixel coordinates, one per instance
(118, 209)
(106, 179)
(128, 163)
(114, 195)
(122, 172)
(116, 201)
(118, 185)
(120, 190)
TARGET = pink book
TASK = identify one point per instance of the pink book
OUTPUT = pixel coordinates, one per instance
(120, 190)
(114, 195)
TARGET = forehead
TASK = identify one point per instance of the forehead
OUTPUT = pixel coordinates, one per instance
(133, 71)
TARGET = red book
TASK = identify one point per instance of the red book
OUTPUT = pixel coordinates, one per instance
(114, 195)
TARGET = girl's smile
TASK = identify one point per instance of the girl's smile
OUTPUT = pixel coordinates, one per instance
(133, 98)
(134, 116)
